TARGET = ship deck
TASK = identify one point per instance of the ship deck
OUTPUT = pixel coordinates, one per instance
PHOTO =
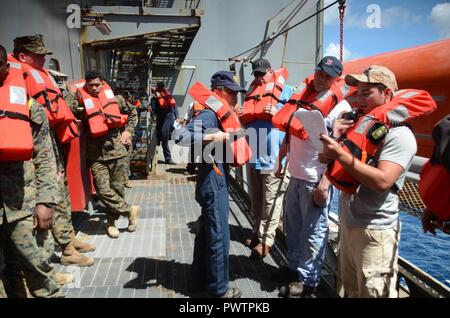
(154, 261)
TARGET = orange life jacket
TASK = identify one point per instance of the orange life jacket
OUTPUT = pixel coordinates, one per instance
(306, 97)
(102, 111)
(197, 108)
(239, 149)
(365, 138)
(434, 189)
(165, 98)
(67, 133)
(43, 88)
(16, 139)
(262, 93)
(136, 103)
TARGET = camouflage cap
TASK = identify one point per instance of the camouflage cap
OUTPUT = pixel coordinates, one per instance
(32, 43)
(376, 74)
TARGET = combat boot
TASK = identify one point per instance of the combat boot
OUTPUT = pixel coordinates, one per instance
(132, 218)
(17, 288)
(70, 256)
(82, 247)
(111, 229)
(63, 278)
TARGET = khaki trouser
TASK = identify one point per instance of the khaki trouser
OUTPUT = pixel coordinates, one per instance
(266, 195)
(368, 261)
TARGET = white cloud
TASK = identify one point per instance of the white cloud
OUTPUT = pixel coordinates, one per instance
(331, 15)
(392, 16)
(440, 18)
(398, 16)
(333, 49)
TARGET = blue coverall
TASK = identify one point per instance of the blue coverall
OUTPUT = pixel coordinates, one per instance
(209, 269)
(165, 119)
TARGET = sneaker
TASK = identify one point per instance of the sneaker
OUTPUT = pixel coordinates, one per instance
(170, 162)
(297, 290)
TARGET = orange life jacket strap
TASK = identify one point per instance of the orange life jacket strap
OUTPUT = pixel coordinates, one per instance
(259, 97)
(99, 112)
(111, 116)
(109, 104)
(75, 133)
(13, 115)
(48, 102)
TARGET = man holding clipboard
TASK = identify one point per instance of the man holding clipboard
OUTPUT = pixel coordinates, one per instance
(308, 195)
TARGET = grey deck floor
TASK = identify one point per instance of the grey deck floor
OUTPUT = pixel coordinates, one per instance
(154, 261)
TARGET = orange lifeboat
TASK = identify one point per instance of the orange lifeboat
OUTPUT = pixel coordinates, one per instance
(425, 67)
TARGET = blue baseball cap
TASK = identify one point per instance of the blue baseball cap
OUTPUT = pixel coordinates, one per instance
(226, 79)
(330, 65)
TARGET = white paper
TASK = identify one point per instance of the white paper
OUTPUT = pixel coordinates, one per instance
(176, 125)
(314, 124)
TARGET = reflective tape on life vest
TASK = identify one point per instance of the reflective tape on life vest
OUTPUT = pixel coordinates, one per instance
(42, 87)
(238, 147)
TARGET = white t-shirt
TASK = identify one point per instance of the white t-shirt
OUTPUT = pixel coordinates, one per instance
(303, 156)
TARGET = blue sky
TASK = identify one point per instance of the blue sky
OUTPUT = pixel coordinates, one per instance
(403, 24)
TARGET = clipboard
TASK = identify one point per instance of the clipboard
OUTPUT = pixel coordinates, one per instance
(314, 124)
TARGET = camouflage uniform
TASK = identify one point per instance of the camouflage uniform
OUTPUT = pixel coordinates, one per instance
(62, 227)
(62, 214)
(2, 265)
(23, 185)
(107, 157)
(129, 147)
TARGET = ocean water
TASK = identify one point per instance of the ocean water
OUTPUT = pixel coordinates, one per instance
(428, 252)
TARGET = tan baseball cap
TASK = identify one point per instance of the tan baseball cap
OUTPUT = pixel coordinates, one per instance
(32, 43)
(375, 74)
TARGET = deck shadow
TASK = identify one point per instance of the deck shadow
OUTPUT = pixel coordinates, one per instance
(173, 276)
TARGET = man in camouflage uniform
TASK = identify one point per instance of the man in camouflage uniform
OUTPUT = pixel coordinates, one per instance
(107, 157)
(129, 99)
(30, 50)
(28, 191)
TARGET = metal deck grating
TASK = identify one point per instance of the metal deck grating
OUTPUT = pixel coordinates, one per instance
(154, 261)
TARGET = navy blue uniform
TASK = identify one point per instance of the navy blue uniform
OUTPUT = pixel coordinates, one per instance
(209, 269)
(165, 119)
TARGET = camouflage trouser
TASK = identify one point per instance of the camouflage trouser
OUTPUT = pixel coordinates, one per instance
(109, 179)
(128, 159)
(62, 215)
(2, 264)
(24, 252)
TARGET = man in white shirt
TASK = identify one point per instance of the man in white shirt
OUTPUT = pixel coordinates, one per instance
(308, 198)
